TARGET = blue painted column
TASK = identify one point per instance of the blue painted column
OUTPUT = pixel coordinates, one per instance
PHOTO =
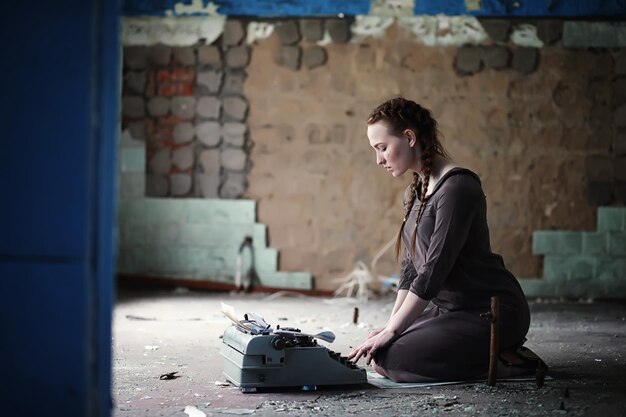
(58, 133)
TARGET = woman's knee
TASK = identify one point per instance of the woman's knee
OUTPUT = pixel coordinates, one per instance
(379, 369)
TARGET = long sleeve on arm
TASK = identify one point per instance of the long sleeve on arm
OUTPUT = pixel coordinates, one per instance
(407, 272)
(454, 210)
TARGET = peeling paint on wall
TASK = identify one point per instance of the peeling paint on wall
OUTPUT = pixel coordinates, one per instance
(374, 26)
(174, 31)
(445, 30)
(258, 30)
(196, 7)
(390, 8)
(526, 35)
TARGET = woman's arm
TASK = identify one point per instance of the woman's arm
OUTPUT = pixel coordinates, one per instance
(411, 307)
(399, 300)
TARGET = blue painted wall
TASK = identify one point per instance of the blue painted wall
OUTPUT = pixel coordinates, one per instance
(58, 127)
(488, 8)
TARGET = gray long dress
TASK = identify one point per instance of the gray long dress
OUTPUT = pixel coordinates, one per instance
(454, 267)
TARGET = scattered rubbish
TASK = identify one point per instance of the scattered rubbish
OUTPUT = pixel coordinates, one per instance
(222, 383)
(598, 360)
(140, 318)
(170, 375)
(205, 405)
(237, 411)
(283, 319)
(355, 315)
(192, 411)
(151, 347)
(147, 397)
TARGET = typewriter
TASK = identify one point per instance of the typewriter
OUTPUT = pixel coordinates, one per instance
(257, 357)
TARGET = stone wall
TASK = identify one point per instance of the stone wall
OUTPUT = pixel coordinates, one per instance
(542, 130)
(274, 111)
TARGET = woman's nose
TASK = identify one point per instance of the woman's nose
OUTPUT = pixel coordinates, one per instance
(379, 159)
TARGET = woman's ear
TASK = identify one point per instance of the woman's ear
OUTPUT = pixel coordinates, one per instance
(410, 135)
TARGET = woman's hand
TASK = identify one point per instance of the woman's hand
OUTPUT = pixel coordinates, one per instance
(371, 345)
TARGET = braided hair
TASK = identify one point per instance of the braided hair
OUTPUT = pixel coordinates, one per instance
(401, 114)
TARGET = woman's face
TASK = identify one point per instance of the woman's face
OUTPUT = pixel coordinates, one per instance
(396, 154)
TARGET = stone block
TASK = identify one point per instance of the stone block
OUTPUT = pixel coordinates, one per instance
(159, 106)
(549, 31)
(580, 267)
(599, 193)
(234, 159)
(136, 57)
(607, 269)
(619, 168)
(595, 243)
(525, 60)
(570, 243)
(234, 185)
(238, 57)
(182, 158)
(208, 185)
(183, 132)
(185, 56)
(221, 211)
(157, 185)
(620, 116)
(497, 29)
(234, 134)
(289, 56)
(180, 184)
(468, 60)
(554, 268)
(133, 107)
(160, 55)
(209, 107)
(545, 242)
(620, 62)
(210, 56)
(132, 185)
(617, 243)
(600, 168)
(619, 192)
(137, 130)
(312, 30)
(184, 107)
(314, 56)
(585, 34)
(234, 32)
(288, 32)
(209, 133)
(535, 288)
(611, 218)
(210, 162)
(338, 29)
(280, 279)
(619, 143)
(211, 80)
(618, 91)
(133, 159)
(235, 107)
(160, 162)
(233, 83)
(496, 57)
(135, 81)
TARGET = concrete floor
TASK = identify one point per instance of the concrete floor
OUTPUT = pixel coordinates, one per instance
(177, 330)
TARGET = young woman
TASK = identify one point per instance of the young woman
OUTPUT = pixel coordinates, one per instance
(448, 262)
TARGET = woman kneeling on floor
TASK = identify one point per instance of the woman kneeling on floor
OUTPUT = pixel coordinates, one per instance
(448, 262)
